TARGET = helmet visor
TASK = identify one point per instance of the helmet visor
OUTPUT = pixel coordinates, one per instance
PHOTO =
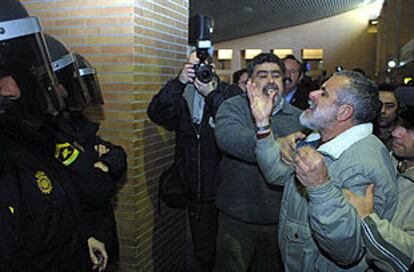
(24, 56)
(77, 96)
(92, 83)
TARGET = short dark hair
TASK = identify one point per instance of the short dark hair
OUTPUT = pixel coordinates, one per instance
(237, 75)
(406, 117)
(263, 58)
(405, 97)
(386, 87)
(362, 94)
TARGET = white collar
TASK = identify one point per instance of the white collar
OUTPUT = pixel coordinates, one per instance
(279, 106)
(335, 147)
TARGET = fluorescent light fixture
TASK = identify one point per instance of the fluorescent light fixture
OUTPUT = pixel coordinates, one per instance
(312, 54)
(251, 53)
(225, 54)
(281, 53)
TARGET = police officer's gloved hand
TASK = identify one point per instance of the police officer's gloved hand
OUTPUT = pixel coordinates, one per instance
(85, 160)
(115, 160)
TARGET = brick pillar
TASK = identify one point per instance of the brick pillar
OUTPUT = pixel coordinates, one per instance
(136, 47)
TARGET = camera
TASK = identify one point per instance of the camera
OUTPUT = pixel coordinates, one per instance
(204, 69)
(200, 35)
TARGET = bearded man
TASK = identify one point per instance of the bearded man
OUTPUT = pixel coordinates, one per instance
(318, 229)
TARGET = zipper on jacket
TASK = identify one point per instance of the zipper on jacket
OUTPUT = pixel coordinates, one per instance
(198, 134)
(197, 212)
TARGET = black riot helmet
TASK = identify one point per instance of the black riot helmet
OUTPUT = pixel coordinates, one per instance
(88, 73)
(25, 59)
(66, 69)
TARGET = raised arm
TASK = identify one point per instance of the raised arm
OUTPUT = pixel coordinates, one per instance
(166, 106)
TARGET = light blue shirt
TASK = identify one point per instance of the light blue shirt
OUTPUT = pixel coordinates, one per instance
(290, 95)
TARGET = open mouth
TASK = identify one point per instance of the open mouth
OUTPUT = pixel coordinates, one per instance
(270, 88)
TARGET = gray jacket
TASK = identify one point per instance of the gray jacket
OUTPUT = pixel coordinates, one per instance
(390, 245)
(319, 230)
(243, 193)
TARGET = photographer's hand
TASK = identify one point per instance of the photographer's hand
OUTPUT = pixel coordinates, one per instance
(204, 88)
(187, 74)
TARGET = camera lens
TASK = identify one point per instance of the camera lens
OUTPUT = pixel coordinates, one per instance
(204, 72)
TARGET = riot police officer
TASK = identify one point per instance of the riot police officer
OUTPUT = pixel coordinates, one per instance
(100, 163)
(41, 228)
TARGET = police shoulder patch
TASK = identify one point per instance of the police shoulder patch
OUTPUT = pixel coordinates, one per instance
(66, 153)
(43, 182)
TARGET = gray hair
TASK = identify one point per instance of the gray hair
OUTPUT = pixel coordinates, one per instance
(362, 94)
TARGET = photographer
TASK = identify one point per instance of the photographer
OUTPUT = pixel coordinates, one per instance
(187, 106)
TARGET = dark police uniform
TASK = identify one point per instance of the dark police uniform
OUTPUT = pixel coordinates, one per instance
(75, 141)
(10, 243)
(40, 209)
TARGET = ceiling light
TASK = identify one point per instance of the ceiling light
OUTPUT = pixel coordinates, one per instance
(373, 22)
(391, 64)
(225, 54)
(251, 53)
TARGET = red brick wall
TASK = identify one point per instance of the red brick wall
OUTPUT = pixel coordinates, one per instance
(136, 46)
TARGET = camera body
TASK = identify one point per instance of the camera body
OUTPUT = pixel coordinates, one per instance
(200, 35)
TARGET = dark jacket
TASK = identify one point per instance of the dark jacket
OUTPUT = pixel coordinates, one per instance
(40, 206)
(96, 188)
(300, 98)
(195, 144)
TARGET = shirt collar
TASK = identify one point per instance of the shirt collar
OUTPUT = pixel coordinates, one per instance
(289, 95)
(335, 147)
(279, 106)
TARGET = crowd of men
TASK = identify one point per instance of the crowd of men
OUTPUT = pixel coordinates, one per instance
(57, 177)
(289, 177)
